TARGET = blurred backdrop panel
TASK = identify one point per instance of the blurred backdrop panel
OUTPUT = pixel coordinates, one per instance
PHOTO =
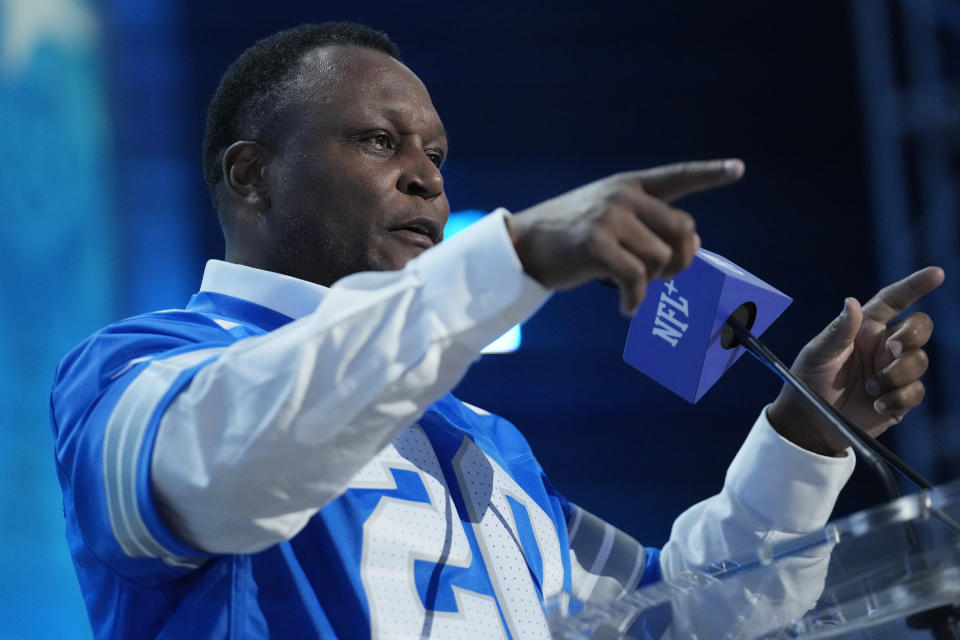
(845, 114)
(907, 55)
(58, 248)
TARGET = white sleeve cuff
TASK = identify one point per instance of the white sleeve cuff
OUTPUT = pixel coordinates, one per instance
(795, 488)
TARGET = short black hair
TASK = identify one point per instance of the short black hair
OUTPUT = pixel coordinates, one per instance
(254, 87)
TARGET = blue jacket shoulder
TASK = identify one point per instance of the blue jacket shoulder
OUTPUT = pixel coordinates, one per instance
(92, 365)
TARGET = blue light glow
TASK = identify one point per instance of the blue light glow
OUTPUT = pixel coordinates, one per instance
(460, 220)
(507, 343)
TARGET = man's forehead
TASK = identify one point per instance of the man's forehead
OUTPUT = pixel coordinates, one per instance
(372, 79)
(330, 65)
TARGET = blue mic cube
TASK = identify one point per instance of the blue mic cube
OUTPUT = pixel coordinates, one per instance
(675, 336)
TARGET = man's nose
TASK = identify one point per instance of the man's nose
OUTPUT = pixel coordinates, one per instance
(420, 177)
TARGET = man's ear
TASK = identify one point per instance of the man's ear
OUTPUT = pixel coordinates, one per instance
(245, 166)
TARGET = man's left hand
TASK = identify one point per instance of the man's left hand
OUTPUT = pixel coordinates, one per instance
(868, 369)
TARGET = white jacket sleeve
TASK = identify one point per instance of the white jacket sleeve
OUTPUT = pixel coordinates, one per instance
(774, 491)
(276, 425)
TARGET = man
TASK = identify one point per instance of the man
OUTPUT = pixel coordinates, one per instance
(282, 458)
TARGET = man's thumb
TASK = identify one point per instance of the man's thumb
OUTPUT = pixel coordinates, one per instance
(839, 334)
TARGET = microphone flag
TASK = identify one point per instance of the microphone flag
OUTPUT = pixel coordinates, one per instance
(676, 336)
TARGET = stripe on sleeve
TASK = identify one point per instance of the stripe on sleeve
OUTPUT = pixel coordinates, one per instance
(604, 553)
(122, 442)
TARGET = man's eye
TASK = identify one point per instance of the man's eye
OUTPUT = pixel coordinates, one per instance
(381, 141)
(435, 158)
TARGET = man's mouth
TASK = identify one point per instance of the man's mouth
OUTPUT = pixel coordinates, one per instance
(422, 231)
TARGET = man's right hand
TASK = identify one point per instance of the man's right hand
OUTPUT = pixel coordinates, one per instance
(621, 228)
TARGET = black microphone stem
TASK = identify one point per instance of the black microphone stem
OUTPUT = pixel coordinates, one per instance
(871, 451)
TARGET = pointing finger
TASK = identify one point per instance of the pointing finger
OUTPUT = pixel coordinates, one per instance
(897, 297)
(673, 181)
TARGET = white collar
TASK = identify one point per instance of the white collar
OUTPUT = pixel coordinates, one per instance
(290, 296)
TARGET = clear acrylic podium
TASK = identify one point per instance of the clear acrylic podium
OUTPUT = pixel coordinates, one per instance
(869, 576)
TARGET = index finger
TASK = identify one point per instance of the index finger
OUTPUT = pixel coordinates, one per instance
(673, 181)
(894, 298)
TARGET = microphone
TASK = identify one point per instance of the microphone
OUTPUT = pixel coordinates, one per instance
(691, 329)
(679, 336)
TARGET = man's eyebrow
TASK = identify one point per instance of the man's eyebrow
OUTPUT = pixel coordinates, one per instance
(400, 112)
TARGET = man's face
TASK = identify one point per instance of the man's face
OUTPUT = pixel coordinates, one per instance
(355, 183)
